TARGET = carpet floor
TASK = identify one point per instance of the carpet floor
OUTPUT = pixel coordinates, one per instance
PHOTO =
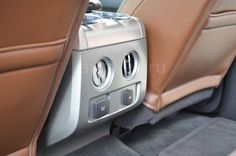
(150, 140)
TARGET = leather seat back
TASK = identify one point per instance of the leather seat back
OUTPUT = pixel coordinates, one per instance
(35, 46)
(191, 45)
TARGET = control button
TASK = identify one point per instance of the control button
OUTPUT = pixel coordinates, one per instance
(101, 108)
(127, 97)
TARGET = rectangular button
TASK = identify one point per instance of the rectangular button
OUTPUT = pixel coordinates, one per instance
(127, 97)
(101, 108)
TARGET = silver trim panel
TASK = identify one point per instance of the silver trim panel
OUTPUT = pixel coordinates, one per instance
(111, 39)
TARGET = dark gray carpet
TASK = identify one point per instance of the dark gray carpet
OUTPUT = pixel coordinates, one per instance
(142, 115)
(106, 146)
(149, 140)
(217, 138)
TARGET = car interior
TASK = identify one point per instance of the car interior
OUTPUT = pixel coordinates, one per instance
(118, 78)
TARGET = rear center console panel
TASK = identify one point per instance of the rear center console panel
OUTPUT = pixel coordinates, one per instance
(106, 75)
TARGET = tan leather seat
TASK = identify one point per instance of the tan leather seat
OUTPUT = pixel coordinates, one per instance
(191, 44)
(35, 45)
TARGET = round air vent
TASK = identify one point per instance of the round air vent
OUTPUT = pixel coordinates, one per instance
(129, 66)
(102, 73)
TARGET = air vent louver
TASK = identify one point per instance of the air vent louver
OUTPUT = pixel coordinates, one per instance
(102, 72)
(129, 64)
